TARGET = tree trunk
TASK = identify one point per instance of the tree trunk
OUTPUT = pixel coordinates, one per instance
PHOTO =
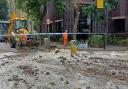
(76, 23)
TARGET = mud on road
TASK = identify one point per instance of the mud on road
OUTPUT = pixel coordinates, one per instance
(59, 70)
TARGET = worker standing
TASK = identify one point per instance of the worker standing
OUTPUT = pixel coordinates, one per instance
(65, 38)
(17, 39)
(6, 39)
(12, 40)
(23, 38)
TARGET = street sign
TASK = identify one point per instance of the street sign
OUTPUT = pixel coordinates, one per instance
(100, 4)
(48, 21)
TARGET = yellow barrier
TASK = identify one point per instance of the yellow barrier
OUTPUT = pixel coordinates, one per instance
(73, 49)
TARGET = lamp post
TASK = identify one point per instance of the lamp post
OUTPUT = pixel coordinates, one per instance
(107, 18)
(48, 23)
(101, 5)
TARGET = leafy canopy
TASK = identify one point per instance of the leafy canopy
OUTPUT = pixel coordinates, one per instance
(32, 8)
(98, 14)
(3, 10)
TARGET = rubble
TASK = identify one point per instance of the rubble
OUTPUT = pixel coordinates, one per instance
(57, 51)
(47, 73)
(59, 70)
(52, 83)
(66, 82)
(62, 79)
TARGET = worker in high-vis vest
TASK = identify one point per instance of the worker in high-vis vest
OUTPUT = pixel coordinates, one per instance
(65, 38)
(17, 39)
(23, 38)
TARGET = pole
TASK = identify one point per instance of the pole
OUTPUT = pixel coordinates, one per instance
(106, 29)
(89, 42)
(48, 37)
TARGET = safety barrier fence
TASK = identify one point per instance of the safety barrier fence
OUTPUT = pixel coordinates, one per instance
(83, 40)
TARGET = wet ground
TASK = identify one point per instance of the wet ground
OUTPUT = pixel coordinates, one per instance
(59, 70)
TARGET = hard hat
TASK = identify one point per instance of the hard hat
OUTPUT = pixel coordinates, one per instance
(12, 33)
(17, 30)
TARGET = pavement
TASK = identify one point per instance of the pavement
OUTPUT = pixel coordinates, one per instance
(6, 47)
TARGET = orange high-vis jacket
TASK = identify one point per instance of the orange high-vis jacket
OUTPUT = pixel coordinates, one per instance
(24, 37)
(65, 36)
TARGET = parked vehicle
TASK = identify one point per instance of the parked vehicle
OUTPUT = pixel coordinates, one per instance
(4, 26)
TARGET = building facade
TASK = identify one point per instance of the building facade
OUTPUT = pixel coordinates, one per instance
(66, 22)
(119, 18)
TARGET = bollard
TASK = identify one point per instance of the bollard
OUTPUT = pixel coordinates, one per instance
(73, 47)
(46, 44)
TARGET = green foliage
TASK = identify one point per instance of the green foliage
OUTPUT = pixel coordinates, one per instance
(98, 14)
(96, 40)
(59, 6)
(112, 39)
(32, 8)
(118, 40)
(123, 42)
(3, 10)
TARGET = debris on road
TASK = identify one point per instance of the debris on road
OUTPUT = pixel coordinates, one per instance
(59, 70)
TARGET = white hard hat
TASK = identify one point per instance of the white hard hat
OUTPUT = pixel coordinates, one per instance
(13, 34)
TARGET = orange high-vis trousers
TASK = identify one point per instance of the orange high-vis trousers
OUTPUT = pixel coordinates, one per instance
(65, 41)
(65, 38)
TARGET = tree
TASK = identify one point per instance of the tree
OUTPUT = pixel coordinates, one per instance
(60, 6)
(3, 10)
(98, 14)
(32, 8)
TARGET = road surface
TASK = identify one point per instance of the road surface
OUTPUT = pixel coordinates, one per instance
(57, 69)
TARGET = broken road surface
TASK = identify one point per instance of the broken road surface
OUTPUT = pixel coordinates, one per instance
(59, 70)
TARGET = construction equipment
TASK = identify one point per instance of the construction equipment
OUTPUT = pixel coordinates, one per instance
(18, 26)
(18, 23)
